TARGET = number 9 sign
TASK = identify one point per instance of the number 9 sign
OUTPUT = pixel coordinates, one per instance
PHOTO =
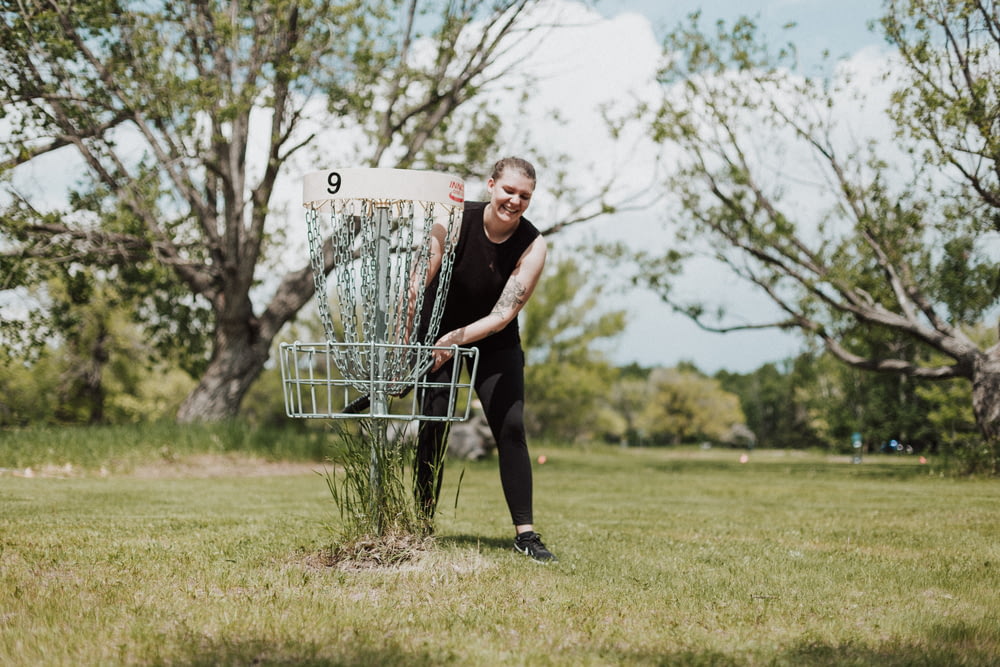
(333, 181)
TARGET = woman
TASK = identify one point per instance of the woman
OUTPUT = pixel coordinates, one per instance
(498, 260)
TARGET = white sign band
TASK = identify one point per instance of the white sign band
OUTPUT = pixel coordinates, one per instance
(382, 185)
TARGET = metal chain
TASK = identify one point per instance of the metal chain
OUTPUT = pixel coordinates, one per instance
(377, 252)
(318, 264)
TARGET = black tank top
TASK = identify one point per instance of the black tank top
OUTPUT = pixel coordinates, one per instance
(480, 272)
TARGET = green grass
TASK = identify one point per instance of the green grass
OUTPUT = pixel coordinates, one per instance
(122, 449)
(668, 556)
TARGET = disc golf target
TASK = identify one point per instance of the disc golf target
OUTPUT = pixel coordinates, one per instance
(381, 231)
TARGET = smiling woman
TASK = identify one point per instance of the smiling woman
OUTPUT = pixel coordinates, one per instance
(498, 261)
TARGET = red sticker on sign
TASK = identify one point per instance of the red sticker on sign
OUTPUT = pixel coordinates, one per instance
(457, 193)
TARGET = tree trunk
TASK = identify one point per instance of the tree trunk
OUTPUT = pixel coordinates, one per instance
(242, 345)
(236, 362)
(93, 384)
(986, 392)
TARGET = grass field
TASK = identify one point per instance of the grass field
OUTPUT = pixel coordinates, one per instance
(668, 556)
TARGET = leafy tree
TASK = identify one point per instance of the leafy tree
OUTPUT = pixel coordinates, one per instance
(948, 103)
(897, 263)
(686, 406)
(98, 371)
(87, 335)
(28, 392)
(85, 311)
(567, 378)
(835, 401)
(954, 424)
(178, 118)
(950, 417)
(630, 395)
(768, 400)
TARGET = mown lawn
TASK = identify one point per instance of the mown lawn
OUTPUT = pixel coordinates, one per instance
(668, 556)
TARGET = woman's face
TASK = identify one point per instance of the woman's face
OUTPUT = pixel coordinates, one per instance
(510, 195)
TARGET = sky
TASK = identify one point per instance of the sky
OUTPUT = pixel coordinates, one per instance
(839, 27)
(610, 58)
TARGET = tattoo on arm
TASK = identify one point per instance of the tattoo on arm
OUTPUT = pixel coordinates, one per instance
(511, 297)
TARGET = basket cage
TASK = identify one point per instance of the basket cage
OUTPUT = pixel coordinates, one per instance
(314, 387)
(379, 309)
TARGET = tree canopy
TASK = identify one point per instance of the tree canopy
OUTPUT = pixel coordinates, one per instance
(891, 262)
(568, 378)
(162, 131)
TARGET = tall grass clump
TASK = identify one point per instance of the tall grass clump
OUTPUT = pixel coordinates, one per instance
(380, 522)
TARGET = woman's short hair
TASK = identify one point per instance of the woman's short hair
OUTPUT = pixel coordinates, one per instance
(516, 163)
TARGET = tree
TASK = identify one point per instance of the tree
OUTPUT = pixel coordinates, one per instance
(183, 115)
(629, 397)
(99, 369)
(768, 398)
(948, 100)
(685, 406)
(567, 378)
(91, 322)
(896, 256)
(837, 400)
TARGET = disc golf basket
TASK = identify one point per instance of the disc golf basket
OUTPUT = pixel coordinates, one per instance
(375, 227)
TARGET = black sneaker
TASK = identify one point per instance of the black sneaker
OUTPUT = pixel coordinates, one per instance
(530, 544)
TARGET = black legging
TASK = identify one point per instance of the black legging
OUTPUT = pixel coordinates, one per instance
(500, 387)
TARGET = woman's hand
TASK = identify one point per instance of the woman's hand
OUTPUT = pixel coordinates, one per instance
(446, 341)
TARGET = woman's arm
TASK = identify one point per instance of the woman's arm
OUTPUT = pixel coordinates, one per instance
(515, 294)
